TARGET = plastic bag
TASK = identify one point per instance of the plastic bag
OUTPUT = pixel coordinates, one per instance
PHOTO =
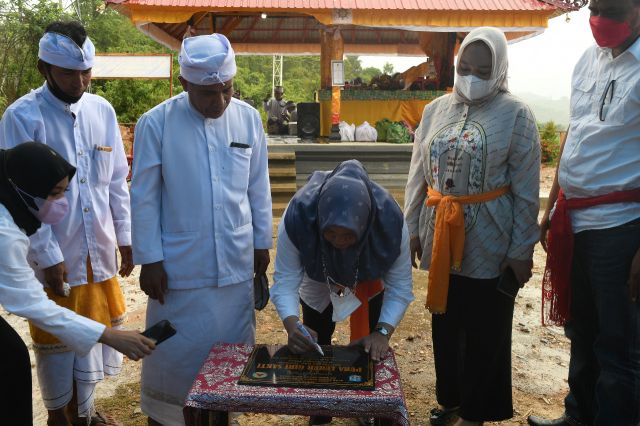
(347, 131)
(366, 133)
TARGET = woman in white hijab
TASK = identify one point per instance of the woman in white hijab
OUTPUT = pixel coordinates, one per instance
(471, 206)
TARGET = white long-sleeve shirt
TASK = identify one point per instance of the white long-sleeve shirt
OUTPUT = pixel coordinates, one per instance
(292, 283)
(22, 294)
(463, 150)
(601, 157)
(86, 134)
(200, 193)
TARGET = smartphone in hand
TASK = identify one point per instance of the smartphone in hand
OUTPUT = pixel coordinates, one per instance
(508, 284)
(160, 332)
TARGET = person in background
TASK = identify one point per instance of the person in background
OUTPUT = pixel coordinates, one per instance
(471, 206)
(592, 277)
(33, 181)
(342, 239)
(80, 251)
(275, 109)
(202, 222)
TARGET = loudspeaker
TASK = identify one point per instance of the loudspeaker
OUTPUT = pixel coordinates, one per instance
(308, 120)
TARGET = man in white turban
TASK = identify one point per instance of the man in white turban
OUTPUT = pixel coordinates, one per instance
(76, 258)
(202, 224)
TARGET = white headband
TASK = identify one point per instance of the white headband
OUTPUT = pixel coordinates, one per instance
(207, 60)
(61, 51)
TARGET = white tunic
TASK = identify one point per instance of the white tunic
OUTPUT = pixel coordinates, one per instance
(98, 196)
(463, 150)
(200, 193)
(22, 294)
(601, 157)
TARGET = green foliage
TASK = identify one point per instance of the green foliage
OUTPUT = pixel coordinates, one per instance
(549, 142)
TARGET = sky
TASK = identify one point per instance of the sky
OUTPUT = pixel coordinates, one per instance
(540, 65)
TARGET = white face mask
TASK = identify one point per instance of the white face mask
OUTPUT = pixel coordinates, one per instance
(344, 304)
(473, 87)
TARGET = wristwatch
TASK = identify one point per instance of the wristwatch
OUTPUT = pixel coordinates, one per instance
(383, 330)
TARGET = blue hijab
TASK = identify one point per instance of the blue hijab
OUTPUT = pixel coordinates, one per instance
(345, 197)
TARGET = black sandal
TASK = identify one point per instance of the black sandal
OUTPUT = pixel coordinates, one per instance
(443, 417)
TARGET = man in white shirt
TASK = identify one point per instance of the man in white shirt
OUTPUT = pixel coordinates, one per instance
(202, 223)
(81, 250)
(592, 278)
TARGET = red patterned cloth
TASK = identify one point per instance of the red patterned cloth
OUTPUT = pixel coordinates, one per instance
(556, 282)
(216, 388)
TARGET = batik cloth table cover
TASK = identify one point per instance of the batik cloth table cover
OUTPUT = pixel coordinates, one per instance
(216, 388)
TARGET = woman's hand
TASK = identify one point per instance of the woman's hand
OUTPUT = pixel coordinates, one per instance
(297, 342)
(416, 249)
(375, 344)
(131, 343)
(522, 269)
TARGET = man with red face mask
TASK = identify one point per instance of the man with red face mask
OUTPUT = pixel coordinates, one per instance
(592, 278)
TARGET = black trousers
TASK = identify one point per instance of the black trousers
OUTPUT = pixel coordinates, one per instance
(472, 350)
(322, 323)
(15, 371)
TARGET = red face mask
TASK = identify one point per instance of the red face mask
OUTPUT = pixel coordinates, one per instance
(609, 32)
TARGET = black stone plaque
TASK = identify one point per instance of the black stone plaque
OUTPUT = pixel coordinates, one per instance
(342, 367)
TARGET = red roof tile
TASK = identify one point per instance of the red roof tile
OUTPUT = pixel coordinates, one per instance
(474, 5)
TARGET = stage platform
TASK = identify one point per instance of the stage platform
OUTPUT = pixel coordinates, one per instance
(292, 160)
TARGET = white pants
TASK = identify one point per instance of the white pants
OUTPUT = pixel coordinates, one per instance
(202, 317)
(57, 371)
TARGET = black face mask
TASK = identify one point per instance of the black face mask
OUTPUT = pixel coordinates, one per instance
(57, 92)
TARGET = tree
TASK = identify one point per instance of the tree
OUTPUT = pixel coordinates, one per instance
(387, 68)
(549, 142)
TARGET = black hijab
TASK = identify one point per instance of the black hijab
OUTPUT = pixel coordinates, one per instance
(348, 198)
(35, 168)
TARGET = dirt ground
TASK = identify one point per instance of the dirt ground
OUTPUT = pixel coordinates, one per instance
(540, 356)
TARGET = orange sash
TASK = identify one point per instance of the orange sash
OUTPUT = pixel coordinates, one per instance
(448, 241)
(359, 321)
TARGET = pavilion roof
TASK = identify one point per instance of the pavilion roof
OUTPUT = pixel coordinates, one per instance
(469, 5)
(369, 26)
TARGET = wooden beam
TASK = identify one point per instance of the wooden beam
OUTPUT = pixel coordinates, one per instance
(230, 25)
(251, 27)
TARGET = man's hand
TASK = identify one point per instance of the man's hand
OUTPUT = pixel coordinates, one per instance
(153, 281)
(55, 276)
(126, 261)
(375, 343)
(544, 228)
(261, 261)
(416, 249)
(297, 342)
(131, 343)
(522, 269)
(634, 278)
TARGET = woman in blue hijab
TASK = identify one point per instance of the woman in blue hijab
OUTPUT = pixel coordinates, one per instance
(343, 250)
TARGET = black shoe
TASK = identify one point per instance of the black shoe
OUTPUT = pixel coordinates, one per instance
(539, 421)
(443, 417)
(320, 420)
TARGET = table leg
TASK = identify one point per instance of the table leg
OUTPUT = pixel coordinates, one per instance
(218, 418)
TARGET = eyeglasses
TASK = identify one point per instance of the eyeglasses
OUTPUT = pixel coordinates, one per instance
(603, 111)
